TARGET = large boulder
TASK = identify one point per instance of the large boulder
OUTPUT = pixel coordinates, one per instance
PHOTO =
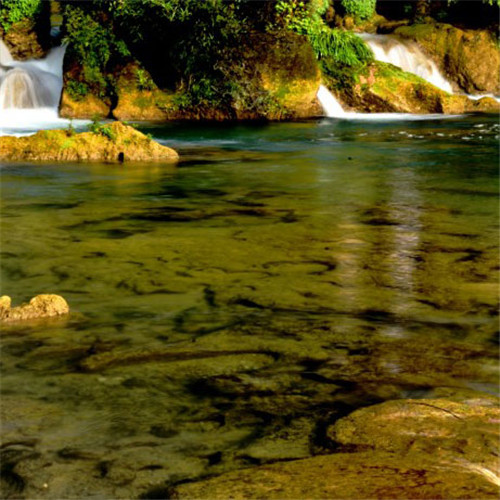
(278, 78)
(88, 107)
(112, 143)
(382, 87)
(471, 58)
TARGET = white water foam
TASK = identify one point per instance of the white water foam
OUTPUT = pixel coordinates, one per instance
(333, 109)
(329, 103)
(19, 122)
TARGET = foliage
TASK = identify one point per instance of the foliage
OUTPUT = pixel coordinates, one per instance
(143, 80)
(489, 2)
(360, 9)
(99, 128)
(77, 90)
(93, 44)
(194, 36)
(344, 47)
(13, 11)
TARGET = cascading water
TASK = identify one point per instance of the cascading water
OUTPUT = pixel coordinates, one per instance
(30, 84)
(329, 103)
(30, 91)
(408, 56)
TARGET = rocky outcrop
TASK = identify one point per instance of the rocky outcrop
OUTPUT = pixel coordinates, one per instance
(415, 449)
(41, 306)
(88, 107)
(471, 58)
(273, 77)
(24, 41)
(383, 87)
(113, 143)
(278, 78)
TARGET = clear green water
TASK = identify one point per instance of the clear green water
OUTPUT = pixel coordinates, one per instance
(225, 312)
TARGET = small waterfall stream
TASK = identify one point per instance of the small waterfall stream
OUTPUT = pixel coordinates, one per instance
(408, 56)
(329, 103)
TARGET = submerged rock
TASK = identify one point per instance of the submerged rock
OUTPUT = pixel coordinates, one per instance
(440, 448)
(41, 306)
(113, 143)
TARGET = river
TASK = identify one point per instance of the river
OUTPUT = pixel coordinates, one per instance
(226, 311)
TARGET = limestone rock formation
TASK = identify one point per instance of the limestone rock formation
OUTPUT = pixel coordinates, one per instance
(279, 71)
(41, 306)
(90, 107)
(113, 143)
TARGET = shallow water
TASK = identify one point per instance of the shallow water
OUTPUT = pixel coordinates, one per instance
(225, 312)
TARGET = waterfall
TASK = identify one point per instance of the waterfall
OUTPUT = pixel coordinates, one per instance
(30, 84)
(30, 91)
(408, 56)
(331, 107)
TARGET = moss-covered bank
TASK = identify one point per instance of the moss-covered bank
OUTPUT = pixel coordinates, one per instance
(275, 76)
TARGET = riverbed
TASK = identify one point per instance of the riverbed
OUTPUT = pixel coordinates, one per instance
(226, 311)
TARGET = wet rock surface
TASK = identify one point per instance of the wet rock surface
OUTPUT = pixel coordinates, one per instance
(428, 448)
(384, 88)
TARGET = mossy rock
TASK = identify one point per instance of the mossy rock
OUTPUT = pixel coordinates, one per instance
(471, 58)
(113, 143)
(41, 306)
(24, 41)
(138, 96)
(383, 87)
(278, 78)
(84, 107)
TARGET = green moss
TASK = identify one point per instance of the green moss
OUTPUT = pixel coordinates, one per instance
(143, 102)
(67, 144)
(13, 11)
(77, 90)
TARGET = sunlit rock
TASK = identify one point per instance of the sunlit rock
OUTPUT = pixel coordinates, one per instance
(113, 143)
(41, 306)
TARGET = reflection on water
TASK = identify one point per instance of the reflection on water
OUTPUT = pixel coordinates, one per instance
(224, 312)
